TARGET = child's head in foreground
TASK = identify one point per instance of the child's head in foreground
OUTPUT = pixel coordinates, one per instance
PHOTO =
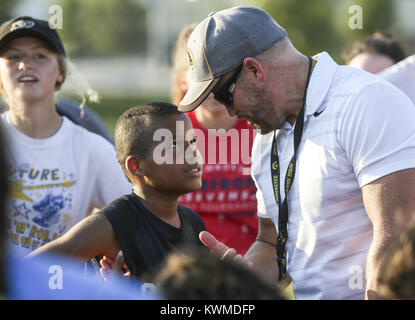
(156, 147)
(194, 274)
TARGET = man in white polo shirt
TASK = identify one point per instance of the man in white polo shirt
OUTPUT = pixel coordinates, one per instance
(340, 142)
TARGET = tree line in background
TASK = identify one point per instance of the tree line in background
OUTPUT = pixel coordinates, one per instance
(104, 27)
(6, 8)
(324, 25)
(113, 27)
(97, 27)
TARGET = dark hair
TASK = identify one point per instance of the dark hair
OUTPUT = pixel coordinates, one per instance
(396, 273)
(382, 43)
(195, 274)
(135, 129)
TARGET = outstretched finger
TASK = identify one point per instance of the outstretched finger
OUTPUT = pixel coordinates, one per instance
(230, 254)
(214, 245)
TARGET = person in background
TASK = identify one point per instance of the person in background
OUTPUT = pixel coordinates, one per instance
(383, 55)
(375, 53)
(402, 76)
(59, 171)
(227, 201)
(84, 117)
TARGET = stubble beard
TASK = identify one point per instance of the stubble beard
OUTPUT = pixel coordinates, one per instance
(264, 118)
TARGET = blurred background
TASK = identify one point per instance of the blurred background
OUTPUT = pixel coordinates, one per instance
(123, 47)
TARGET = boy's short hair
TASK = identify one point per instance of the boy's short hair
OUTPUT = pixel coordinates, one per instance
(135, 129)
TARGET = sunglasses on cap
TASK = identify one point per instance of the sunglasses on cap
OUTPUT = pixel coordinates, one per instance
(224, 94)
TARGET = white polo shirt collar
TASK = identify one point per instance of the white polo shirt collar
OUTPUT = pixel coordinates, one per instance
(320, 82)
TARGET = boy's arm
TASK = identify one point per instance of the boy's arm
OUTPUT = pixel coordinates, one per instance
(91, 237)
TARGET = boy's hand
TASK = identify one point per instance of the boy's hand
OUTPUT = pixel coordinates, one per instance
(109, 266)
(221, 249)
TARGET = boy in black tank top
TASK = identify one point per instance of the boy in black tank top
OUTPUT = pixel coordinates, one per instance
(148, 223)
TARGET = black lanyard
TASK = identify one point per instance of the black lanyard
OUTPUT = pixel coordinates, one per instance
(289, 178)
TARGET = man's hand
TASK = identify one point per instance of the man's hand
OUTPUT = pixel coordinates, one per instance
(221, 249)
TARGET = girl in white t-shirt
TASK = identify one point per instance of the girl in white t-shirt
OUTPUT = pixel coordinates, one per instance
(59, 171)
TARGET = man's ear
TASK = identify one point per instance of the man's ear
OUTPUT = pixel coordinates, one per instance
(132, 164)
(257, 70)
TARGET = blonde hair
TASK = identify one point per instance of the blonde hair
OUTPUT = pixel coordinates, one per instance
(75, 83)
(180, 64)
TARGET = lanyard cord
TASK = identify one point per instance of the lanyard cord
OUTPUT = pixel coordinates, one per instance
(289, 177)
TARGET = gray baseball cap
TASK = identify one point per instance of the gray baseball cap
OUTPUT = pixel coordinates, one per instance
(221, 42)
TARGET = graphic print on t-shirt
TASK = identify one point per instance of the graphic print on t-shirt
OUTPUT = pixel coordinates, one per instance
(40, 198)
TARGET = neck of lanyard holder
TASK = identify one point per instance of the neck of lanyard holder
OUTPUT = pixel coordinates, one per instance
(289, 178)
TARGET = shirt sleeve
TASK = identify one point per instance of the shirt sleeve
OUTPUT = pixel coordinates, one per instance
(378, 132)
(261, 208)
(256, 169)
